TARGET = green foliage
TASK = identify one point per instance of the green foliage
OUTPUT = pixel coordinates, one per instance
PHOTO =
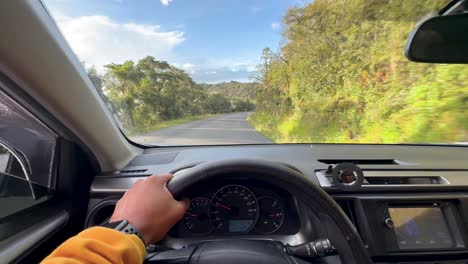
(232, 89)
(216, 104)
(146, 94)
(239, 105)
(342, 77)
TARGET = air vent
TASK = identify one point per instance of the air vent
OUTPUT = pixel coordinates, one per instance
(398, 180)
(101, 213)
(362, 161)
(389, 178)
(132, 171)
(125, 173)
(403, 180)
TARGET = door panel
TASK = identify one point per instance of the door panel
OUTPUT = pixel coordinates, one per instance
(45, 178)
(23, 241)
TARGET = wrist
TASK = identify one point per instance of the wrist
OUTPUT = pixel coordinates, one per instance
(126, 227)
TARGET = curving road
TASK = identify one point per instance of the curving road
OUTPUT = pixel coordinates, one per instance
(219, 130)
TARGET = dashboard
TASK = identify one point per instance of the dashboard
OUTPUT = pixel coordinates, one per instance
(412, 204)
(238, 207)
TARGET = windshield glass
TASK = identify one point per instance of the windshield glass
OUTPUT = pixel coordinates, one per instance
(208, 72)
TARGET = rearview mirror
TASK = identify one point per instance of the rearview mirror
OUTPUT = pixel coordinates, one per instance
(440, 39)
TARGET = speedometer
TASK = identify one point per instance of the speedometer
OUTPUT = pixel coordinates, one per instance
(234, 209)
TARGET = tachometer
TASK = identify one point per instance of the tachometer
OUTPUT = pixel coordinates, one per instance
(234, 209)
(197, 218)
(271, 215)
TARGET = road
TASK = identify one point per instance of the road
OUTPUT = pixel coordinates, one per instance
(222, 129)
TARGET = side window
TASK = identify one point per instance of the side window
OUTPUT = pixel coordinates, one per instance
(16, 192)
(9, 164)
(27, 150)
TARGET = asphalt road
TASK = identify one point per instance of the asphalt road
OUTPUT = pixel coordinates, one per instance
(221, 129)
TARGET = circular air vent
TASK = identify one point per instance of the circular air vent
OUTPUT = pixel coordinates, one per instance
(347, 176)
(102, 212)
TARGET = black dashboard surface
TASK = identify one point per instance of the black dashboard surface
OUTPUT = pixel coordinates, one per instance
(308, 157)
(361, 206)
(449, 161)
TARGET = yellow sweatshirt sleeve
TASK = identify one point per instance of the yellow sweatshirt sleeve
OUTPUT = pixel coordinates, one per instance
(99, 245)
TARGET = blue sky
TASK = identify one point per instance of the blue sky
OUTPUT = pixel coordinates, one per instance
(212, 40)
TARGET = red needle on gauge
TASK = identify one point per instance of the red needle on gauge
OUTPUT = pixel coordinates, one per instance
(275, 215)
(223, 206)
(193, 215)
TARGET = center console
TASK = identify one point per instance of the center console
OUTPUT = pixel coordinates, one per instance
(422, 227)
(418, 227)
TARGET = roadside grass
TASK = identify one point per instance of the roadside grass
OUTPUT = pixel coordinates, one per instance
(292, 129)
(169, 123)
(253, 121)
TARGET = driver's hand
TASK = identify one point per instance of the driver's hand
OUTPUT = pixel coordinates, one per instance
(149, 206)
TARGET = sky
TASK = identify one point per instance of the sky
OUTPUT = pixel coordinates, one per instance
(212, 40)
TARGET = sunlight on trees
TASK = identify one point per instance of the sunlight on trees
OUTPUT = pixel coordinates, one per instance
(147, 92)
(342, 77)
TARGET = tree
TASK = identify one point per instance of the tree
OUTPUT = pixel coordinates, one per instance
(217, 103)
(147, 92)
(239, 105)
(341, 77)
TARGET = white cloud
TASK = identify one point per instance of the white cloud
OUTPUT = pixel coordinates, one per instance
(166, 2)
(220, 75)
(251, 68)
(275, 25)
(98, 40)
(214, 70)
(242, 66)
(187, 65)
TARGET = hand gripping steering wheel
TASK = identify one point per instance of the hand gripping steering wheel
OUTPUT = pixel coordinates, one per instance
(341, 231)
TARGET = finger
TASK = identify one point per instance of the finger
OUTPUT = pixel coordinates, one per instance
(161, 179)
(113, 218)
(186, 204)
(133, 188)
(137, 182)
(123, 196)
(180, 208)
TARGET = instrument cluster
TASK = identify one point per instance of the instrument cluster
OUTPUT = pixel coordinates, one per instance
(238, 208)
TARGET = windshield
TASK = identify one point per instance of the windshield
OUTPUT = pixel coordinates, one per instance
(209, 72)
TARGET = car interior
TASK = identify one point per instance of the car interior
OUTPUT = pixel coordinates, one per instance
(64, 164)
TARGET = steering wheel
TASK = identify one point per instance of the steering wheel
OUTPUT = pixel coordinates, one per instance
(341, 232)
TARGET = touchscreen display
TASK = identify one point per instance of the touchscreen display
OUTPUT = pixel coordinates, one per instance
(421, 228)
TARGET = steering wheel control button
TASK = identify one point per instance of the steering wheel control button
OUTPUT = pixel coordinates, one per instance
(389, 223)
(315, 249)
(347, 176)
